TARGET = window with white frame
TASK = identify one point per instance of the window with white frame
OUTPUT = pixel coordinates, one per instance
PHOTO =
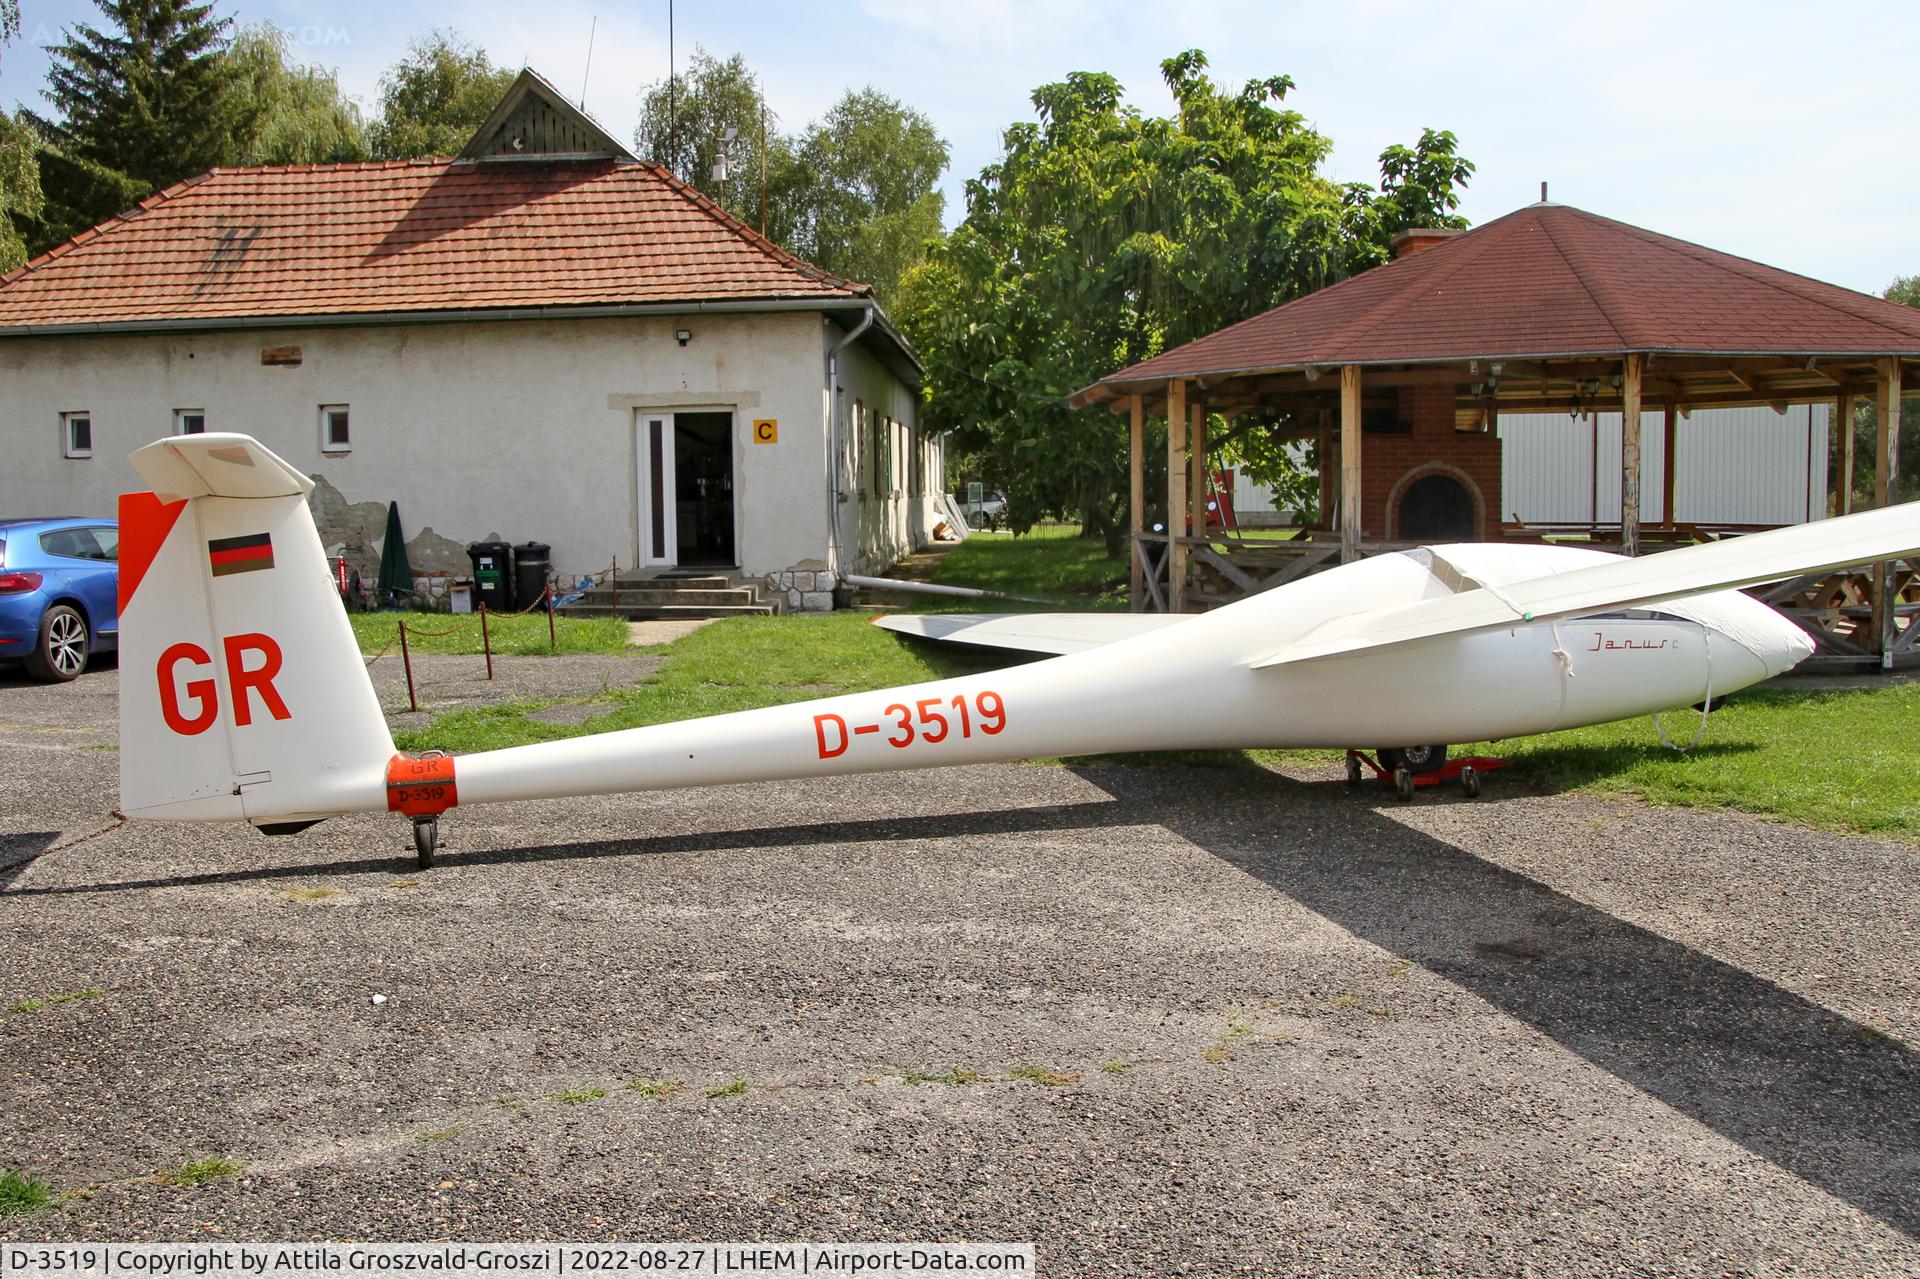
(334, 435)
(189, 421)
(76, 434)
(856, 453)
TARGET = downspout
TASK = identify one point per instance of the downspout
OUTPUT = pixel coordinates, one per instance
(833, 436)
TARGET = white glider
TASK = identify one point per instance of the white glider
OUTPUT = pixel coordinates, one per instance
(244, 696)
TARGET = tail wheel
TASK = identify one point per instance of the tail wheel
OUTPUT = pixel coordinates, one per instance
(1470, 782)
(426, 836)
(1353, 770)
(61, 653)
(1402, 785)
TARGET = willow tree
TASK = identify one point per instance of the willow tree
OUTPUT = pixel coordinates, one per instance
(300, 116)
(434, 99)
(1102, 236)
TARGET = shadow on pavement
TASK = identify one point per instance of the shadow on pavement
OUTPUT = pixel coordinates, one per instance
(1827, 1099)
(1821, 1096)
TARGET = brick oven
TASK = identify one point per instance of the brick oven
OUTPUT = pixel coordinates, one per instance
(1424, 480)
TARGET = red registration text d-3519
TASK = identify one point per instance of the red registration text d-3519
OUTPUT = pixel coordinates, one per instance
(929, 721)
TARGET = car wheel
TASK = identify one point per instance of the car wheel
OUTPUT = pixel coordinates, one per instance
(61, 653)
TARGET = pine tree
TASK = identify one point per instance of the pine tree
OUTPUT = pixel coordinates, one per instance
(151, 98)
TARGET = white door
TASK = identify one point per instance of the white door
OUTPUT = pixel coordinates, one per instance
(658, 540)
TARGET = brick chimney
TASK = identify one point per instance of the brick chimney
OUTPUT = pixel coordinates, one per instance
(1419, 239)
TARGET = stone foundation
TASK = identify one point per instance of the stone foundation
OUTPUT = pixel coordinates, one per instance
(805, 590)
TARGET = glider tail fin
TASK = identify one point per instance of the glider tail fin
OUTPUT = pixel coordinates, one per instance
(243, 695)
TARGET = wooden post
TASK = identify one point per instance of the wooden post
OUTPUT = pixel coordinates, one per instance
(1593, 474)
(1349, 463)
(1329, 472)
(1667, 480)
(1176, 557)
(1843, 440)
(1886, 447)
(1886, 491)
(1630, 457)
(1136, 501)
(1197, 464)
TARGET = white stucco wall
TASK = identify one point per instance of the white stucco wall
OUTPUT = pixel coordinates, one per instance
(878, 527)
(521, 428)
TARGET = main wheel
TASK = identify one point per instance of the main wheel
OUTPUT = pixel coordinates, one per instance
(61, 653)
(1403, 785)
(426, 836)
(1422, 759)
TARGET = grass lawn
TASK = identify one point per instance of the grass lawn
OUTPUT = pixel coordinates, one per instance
(1842, 760)
(1838, 759)
(460, 634)
(1050, 561)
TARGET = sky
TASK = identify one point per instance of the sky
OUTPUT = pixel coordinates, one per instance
(1774, 130)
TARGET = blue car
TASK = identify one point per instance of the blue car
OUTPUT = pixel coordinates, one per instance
(59, 593)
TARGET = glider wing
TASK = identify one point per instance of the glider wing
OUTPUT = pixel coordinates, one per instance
(1886, 534)
(1054, 633)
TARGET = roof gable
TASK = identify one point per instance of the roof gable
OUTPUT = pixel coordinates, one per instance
(534, 122)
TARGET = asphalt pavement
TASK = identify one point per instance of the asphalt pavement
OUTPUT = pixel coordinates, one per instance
(1156, 1020)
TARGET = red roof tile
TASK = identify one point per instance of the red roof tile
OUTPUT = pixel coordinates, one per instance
(1549, 280)
(410, 236)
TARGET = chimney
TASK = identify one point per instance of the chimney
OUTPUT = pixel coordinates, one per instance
(1419, 239)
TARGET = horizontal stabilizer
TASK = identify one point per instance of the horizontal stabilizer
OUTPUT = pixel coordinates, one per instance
(1891, 533)
(216, 464)
(1055, 633)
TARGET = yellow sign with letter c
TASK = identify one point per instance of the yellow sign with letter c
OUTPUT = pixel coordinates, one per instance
(766, 430)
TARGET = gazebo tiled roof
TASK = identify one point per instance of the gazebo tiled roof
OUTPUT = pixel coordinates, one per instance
(1547, 281)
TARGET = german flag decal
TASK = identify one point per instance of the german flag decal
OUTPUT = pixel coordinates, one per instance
(240, 554)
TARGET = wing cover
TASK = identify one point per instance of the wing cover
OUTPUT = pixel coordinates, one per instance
(1887, 534)
(1055, 633)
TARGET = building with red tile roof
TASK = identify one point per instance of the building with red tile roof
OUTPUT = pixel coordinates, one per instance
(507, 342)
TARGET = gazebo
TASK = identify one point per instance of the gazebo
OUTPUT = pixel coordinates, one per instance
(1406, 368)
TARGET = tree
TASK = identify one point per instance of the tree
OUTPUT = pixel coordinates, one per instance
(853, 193)
(871, 201)
(20, 196)
(435, 98)
(77, 193)
(684, 122)
(1102, 236)
(299, 115)
(9, 21)
(153, 98)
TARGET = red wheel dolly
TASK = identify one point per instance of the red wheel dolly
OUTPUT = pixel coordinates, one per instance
(1409, 767)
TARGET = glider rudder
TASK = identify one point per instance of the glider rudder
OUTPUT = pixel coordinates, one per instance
(243, 695)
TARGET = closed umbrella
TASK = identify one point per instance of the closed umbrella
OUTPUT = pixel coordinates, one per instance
(396, 575)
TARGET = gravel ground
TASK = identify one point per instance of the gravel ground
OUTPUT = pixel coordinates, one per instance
(1203, 1021)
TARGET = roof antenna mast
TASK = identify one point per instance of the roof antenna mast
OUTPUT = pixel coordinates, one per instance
(589, 71)
(672, 123)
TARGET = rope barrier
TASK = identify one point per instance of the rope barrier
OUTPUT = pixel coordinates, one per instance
(119, 820)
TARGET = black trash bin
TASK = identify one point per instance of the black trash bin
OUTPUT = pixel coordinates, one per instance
(532, 569)
(492, 575)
